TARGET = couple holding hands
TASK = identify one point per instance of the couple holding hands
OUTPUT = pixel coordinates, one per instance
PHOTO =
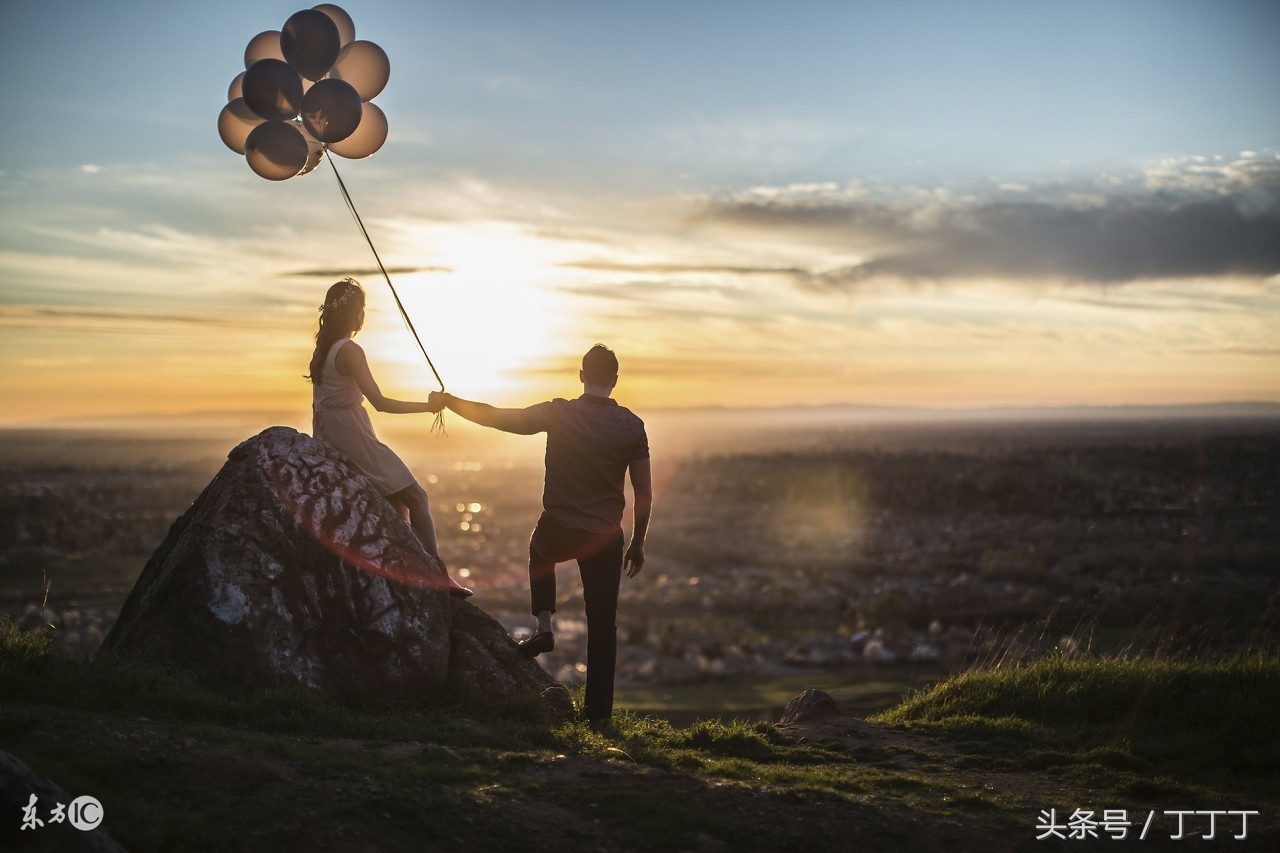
(592, 445)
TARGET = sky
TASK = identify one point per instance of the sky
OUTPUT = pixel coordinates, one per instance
(929, 204)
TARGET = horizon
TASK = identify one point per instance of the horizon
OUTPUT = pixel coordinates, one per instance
(1223, 408)
(918, 207)
(677, 433)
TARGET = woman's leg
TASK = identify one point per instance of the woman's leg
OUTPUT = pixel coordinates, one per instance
(418, 509)
(415, 503)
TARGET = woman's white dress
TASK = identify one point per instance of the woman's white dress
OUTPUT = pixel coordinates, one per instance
(339, 418)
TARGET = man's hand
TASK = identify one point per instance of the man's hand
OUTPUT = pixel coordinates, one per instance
(436, 402)
(642, 486)
(508, 420)
(634, 560)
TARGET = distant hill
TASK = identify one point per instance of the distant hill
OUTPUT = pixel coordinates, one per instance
(780, 415)
(839, 412)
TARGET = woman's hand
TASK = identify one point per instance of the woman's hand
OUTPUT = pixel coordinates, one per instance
(435, 402)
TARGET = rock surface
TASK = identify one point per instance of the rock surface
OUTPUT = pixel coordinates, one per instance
(809, 706)
(814, 715)
(291, 569)
(479, 667)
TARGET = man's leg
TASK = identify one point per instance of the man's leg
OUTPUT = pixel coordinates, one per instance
(544, 552)
(601, 575)
(543, 548)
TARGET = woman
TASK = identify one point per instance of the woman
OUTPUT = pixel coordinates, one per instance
(340, 380)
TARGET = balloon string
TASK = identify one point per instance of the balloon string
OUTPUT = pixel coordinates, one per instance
(438, 424)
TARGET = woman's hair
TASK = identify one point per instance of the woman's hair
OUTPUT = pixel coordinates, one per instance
(339, 317)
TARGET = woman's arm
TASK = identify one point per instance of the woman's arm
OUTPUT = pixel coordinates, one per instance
(352, 362)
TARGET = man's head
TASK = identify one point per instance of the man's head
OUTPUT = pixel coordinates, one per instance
(599, 367)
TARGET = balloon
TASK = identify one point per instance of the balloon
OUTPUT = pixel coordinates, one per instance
(235, 122)
(265, 45)
(272, 89)
(276, 150)
(331, 110)
(365, 66)
(315, 148)
(368, 137)
(312, 66)
(346, 26)
(310, 42)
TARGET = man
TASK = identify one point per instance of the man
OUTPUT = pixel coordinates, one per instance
(592, 443)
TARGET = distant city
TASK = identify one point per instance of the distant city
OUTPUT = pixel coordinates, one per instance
(845, 546)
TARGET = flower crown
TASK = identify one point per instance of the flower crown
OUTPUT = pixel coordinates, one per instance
(337, 303)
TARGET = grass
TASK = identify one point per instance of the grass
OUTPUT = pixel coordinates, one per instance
(954, 763)
(764, 698)
(1196, 716)
(28, 669)
(20, 649)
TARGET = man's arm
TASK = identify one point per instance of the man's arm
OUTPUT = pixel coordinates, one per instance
(507, 420)
(642, 486)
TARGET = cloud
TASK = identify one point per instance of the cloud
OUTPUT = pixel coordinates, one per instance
(1220, 296)
(514, 86)
(664, 303)
(1253, 352)
(680, 269)
(1182, 219)
(368, 272)
(54, 362)
(759, 143)
(121, 321)
(692, 367)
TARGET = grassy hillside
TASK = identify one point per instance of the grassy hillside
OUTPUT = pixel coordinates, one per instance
(1189, 717)
(967, 764)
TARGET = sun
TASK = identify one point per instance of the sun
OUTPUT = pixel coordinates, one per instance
(486, 308)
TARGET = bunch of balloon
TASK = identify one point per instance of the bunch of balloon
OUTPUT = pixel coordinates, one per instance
(306, 87)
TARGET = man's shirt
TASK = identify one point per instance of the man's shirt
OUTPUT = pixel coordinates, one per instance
(590, 443)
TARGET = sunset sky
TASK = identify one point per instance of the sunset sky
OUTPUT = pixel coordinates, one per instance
(931, 204)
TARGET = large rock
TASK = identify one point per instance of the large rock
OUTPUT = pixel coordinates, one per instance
(479, 665)
(291, 569)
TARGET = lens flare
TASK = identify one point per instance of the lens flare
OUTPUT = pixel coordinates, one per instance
(341, 511)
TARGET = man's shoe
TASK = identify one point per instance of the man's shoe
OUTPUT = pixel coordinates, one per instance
(541, 641)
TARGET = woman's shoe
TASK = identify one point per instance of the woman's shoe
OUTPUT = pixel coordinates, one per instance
(460, 592)
(541, 641)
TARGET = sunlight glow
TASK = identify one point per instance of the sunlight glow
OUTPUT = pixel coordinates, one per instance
(488, 313)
